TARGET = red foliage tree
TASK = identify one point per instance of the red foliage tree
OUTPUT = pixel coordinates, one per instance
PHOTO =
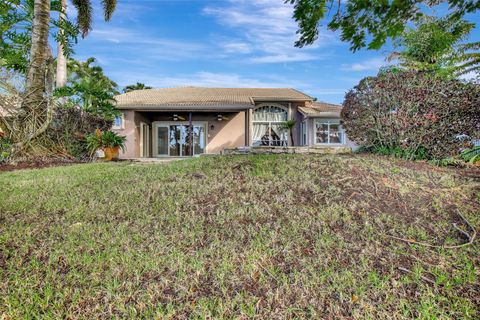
(413, 112)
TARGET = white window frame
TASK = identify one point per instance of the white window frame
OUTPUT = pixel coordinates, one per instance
(328, 122)
(145, 133)
(270, 122)
(167, 124)
(122, 125)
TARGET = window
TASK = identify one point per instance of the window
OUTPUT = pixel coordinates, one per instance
(303, 130)
(328, 132)
(268, 126)
(118, 123)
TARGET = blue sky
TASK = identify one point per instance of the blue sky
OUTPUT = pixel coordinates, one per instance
(222, 43)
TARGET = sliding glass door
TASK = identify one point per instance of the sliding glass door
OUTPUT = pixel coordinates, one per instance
(175, 140)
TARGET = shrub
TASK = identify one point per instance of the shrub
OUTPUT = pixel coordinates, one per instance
(412, 115)
(70, 128)
(107, 139)
(471, 155)
(5, 148)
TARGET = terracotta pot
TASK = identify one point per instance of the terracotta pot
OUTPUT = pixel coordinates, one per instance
(111, 153)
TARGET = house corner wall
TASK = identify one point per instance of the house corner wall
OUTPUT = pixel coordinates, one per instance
(130, 131)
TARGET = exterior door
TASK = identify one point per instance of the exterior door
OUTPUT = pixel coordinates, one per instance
(174, 140)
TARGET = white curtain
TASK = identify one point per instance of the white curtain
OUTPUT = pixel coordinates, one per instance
(270, 113)
(260, 132)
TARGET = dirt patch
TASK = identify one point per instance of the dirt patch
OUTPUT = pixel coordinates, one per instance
(37, 164)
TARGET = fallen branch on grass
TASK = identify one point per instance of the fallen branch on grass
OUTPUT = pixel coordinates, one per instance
(421, 277)
(470, 237)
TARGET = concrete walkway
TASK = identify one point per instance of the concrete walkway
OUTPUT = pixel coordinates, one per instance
(156, 160)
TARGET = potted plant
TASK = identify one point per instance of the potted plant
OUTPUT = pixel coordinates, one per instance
(108, 141)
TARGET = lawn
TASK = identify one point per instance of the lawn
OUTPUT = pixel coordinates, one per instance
(280, 236)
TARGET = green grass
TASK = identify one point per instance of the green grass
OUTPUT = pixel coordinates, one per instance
(261, 237)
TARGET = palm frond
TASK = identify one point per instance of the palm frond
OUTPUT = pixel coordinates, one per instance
(84, 17)
(467, 60)
(471, 46)
(108, 8)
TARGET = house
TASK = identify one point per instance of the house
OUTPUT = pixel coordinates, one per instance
(156, 122)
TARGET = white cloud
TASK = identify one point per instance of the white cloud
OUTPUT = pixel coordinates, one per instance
(207, 79)
(279, 58)
(267, 27)
(330, 91)
(367, 65)
(118, 41)
(237, 47)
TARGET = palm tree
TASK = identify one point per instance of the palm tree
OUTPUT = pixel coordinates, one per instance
(137, 86)
(39, 49)
(36, 85)
(289, 125)
(90, 88)
(61, 59)
(84, 20)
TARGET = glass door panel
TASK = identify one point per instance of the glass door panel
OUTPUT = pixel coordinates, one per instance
(198, 139)
(186, 146)
(162, 141)
(175, 141)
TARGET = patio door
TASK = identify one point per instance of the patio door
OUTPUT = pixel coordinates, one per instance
(173, 140)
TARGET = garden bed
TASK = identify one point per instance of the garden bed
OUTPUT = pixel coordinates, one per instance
(36, 164)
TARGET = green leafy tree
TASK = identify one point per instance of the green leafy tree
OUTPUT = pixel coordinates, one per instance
(16, 18)
(366, 23)
(137, 86)
(435, 44)
(90, 88)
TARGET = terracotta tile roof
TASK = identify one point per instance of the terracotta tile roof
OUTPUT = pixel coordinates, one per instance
(201, 98)
(321, 109)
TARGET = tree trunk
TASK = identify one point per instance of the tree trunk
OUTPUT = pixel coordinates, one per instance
(61, 59)
(291, 137)
(35, 88)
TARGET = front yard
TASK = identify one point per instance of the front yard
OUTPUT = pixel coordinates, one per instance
(240, 237)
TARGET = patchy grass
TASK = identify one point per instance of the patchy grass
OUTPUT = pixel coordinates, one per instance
(239, 237)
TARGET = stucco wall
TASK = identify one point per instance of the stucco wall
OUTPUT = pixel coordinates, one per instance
(129, 130)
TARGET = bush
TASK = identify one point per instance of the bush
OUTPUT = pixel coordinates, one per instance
(412, 115)
(106, 139)
(70, 127)
(471, 155)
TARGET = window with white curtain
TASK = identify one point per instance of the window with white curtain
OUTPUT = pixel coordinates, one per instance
(328, 132)
(268, 126)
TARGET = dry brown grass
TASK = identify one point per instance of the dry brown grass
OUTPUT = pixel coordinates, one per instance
(239, 237)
